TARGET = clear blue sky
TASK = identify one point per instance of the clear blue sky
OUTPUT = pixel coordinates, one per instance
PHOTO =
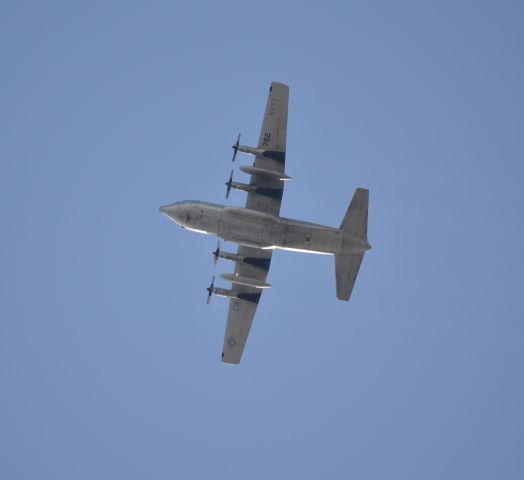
(110, 357)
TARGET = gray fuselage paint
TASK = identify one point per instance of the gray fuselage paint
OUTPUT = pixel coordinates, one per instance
(261, 230)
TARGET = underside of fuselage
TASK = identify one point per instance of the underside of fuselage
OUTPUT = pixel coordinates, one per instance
(262, 230)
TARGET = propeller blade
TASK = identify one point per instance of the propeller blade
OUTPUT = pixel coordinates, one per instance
(228, 184)
(210, 289)
(235, 148)
(216, 254)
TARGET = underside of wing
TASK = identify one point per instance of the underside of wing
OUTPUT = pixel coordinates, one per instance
(273, 133)
(265, 195)
(254, 266)
(272, 141)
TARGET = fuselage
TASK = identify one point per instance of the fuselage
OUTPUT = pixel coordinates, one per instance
(262, 230)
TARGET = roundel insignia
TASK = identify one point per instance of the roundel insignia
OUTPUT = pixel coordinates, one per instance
(232, 342)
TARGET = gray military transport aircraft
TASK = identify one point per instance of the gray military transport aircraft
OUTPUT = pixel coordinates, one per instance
(258, 229)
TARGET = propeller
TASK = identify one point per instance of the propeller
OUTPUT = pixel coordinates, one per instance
(229, 183)
(216, 254)
(210, 289)
(235, 148)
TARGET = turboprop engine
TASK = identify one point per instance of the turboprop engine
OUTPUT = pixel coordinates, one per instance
(235, 257)
(223, 292)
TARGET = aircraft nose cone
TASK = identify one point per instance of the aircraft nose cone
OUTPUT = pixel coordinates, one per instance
(169, 211)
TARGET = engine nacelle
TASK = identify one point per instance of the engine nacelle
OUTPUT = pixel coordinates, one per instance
(234, 257)
(248, 297)
(261, 152)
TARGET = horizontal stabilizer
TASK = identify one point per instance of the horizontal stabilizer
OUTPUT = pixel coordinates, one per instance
(346, 271)
(355, 221)
(355, 227)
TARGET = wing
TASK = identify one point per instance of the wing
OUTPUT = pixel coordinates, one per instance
(242, 311)
(266, 198)
(272, 140)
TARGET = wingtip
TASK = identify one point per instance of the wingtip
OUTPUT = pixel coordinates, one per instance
(226, 362)
(274, 83)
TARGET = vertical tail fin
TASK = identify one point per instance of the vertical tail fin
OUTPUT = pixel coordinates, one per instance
(355, 223)
(356, 219)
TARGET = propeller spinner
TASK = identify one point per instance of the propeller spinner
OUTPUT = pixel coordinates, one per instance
(235, 148)
(229, 183)
(216, 255)
(210, 289)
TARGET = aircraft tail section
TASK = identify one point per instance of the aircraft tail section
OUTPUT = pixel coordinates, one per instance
(346, 270)
(355, 223)
(356, 219)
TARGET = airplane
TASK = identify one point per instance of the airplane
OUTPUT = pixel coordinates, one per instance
(258, 229)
